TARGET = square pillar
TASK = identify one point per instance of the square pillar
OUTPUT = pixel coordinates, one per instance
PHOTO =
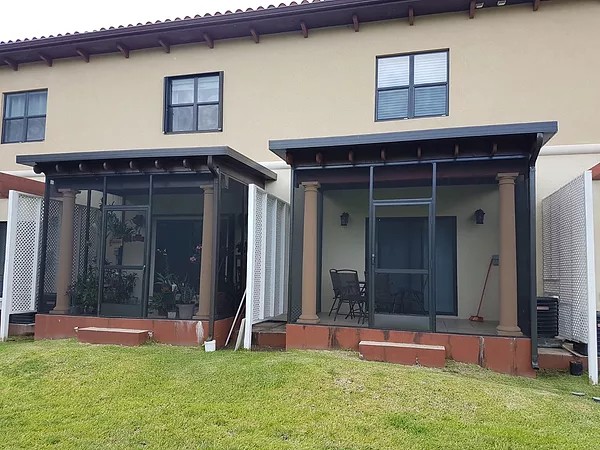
(508, 257)
(309, 254)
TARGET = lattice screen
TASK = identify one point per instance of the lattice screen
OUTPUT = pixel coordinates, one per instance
(22, 246)
(266, 289)
(565, 257)
(52, 246)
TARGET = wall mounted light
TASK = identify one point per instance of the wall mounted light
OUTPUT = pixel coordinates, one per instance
(479, 214)
(344, 219)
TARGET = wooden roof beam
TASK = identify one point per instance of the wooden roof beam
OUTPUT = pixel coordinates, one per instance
(536, 5)
(123, 49)
(209, 41)
(255, 35)
(46, 59)
(411, 16)
(304, 29)
(355, 23)
(11, 63)
(472, 9)
(165, 45)
(84, 55)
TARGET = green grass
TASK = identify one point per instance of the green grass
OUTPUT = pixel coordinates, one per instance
(61, 394)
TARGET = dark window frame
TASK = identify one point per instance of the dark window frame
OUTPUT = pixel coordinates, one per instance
(24, 117)
(411, 87)
(168, 106)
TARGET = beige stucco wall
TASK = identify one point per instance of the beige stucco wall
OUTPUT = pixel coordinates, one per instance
(344, 247)
(507, 65)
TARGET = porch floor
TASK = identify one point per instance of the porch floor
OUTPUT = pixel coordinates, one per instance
(444, 324)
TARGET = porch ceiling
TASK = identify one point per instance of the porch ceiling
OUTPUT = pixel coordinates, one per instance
(156, 160)
(488, 142)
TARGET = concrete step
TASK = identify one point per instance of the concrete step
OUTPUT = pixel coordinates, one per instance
(117, 336)
(401, 353)
(269, 340)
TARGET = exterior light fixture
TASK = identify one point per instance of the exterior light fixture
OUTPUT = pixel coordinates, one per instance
(479, 216)
(344, 219)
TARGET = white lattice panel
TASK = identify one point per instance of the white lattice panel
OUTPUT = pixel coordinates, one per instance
(565, 257)
(266, 295)
(21, 261)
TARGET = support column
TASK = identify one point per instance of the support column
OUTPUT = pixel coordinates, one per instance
(65, 253)
(206, 255)
(309, 255)
(508, 257)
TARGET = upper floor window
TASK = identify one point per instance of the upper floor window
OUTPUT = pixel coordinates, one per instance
(411, 86)
(24, 118)
(194, 103)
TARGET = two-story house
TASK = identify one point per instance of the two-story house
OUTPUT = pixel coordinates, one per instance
(414, 140)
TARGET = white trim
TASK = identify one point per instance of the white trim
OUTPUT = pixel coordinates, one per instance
(275, 165)
(575, 149)
(249, 266)
(591, 277)
(11, 233)
(28, 173)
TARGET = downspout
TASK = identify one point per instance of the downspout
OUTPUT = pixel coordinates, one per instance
(215, 256)
(532, 251)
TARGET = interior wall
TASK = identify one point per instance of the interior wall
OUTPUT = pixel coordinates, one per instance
(344, 247)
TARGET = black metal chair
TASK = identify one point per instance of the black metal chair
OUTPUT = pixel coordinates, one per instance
(336, 291)
(350, 292)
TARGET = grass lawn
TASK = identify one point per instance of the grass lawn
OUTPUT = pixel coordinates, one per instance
(61, 394)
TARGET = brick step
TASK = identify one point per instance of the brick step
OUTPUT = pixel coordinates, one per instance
(117, 336)
(403, 353)
(269, 339)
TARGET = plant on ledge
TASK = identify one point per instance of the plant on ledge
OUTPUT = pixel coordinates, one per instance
(84, 292)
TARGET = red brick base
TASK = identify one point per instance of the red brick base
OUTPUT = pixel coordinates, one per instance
(500, 354)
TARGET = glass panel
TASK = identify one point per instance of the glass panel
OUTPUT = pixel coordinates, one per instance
(431, 68)
(15, 105)
(125, 238)
(182, 118)
(14, 130)
(182, 91)
(208, 89)
(36, 129)
(430, 101)
(37, 104)
(393, 71)
(208, 117)
(392, 104)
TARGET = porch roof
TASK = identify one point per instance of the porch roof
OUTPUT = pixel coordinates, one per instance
(155, 160)
(459, 143)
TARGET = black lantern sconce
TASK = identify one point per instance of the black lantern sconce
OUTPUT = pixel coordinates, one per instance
(479, 214)
(344, 219)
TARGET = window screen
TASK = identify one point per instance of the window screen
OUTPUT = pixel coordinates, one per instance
(24, 117)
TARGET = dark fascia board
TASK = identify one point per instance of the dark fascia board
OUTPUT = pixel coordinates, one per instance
(270, 20)
(220, 151)
(548, 129)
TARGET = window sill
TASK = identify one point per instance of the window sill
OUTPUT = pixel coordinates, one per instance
(412, 118)
(219, 130)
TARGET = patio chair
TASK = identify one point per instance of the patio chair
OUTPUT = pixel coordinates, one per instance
(336, 290)
(350, 292)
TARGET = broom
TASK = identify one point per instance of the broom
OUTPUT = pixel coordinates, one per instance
(477, 317)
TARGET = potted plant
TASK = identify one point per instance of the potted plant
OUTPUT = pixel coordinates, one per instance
(167, 288)
(118, 230)
(186, 301)
(138, 221)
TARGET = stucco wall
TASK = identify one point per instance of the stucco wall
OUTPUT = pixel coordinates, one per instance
(507, 65)
(344, 247)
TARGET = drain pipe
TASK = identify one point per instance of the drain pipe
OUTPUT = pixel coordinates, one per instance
(532, 256)
(216, 197)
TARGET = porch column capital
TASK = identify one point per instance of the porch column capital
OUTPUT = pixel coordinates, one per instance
(208, 190)
(68, 193)
(507, 178)
(311, 186)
